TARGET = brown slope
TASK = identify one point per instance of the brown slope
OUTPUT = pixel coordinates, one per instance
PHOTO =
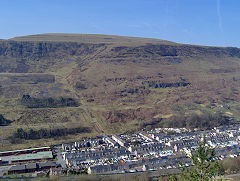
(122, 83)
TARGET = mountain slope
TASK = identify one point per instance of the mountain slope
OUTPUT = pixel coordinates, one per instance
(121, 83)
(88, 38)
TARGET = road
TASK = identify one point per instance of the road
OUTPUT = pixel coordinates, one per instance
(60, 160)
(8, 127)
(235, 176)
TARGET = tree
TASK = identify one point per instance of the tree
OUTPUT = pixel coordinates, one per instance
(204, 166)
(20, 133)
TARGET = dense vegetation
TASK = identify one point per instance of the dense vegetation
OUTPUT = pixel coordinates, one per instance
(3, 121)
(46, 133)
(202, 121)
(50, 102)
(230, 165)
(194, 116)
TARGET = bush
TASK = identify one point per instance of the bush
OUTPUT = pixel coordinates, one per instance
(3, 121)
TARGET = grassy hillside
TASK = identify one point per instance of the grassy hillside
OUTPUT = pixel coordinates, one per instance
(88, 38)
(120, 84)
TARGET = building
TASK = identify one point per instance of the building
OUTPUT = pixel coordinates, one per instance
(31, 167)
(98, 169)
(119, 140)
(109, 140)
(25, 151)
(27, 157)
(55, 171)
(46, 165)
(17, 169)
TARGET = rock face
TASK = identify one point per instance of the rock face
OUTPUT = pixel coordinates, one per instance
(40, 50)
(132, 78)
(28, 55)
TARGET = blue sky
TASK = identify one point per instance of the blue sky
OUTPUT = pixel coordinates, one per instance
(204, 22)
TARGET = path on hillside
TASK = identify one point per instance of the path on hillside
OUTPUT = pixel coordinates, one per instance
(93, 120)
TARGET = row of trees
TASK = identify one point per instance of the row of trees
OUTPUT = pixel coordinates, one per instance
(50, 102)
(157, 84)
(47, 133)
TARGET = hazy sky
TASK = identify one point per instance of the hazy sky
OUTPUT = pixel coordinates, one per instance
(205, 22)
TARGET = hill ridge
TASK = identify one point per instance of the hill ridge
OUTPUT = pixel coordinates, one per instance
(87, 38)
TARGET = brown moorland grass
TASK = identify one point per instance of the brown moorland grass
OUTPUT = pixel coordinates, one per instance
(110, 77)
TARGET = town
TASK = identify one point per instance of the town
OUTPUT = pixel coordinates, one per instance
(157, 149)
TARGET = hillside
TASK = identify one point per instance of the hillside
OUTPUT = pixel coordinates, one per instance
(88, 38)
(113, 84)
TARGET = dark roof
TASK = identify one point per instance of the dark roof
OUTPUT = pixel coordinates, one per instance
(47, 164)
(31, 166)
(17, 168)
